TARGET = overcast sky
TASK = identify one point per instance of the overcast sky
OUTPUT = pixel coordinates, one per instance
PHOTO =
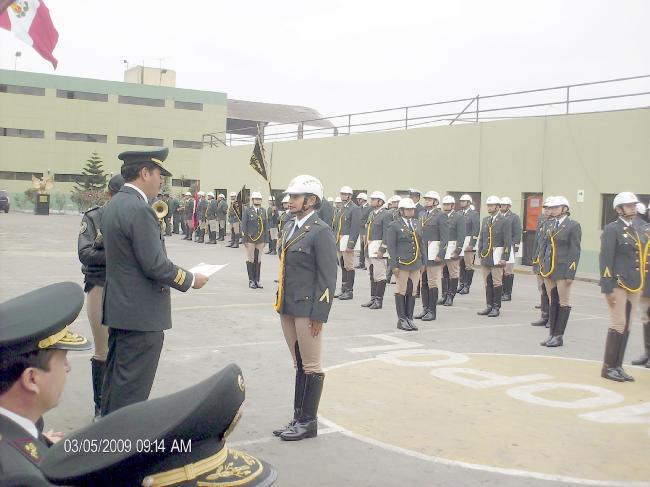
(345, 56)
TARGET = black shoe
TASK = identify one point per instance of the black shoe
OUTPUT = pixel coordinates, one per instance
(257, 267)
(250, 268)
(555, 341)
(346, 295)
(373, 294)
(489, 291)
(306, 426)
(541, 322)
(400, 307)
(379, 298)
(378, 303)
(496, 302)
(451, 292)
(643, 359)
(433, 300)
(553, 312)
(410, 306)
(610, 369)
(560, 325)
(369, 303)
(298, 392)
(349, 286)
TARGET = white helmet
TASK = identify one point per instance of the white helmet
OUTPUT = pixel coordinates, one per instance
(448, 200)
(559, 201)
(285, 199)
(432, 194)
(506, 201)
(201, 193)
(306, 184)
(395, 198)
(640, 208)
(548, 201)
(624, 198)
(493, 200)
(221, 195)
(406, 203)
(330, 199)
(362, 196)
(346, 190)
(232, 193)
(466, 197)
(256, 195)
(187, 193)
(271, 198)
(414, 191)
(338, 200)
(210, 194)
(378, 195)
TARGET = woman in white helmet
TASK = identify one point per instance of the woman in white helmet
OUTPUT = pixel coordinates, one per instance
(379, 221)
(472, 227)
(365, 210)
(516, 229)
(306, 287)
(623, 270)
(454, 248)
(254, 227)
(347, 230)
(404, 242)
(201, 218)
(643, 222)
(540, 233)
(558, 263)
(234, 218)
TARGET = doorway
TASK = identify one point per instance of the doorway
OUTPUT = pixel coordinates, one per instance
(532, 210)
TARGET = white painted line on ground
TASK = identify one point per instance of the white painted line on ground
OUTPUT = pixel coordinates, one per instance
(398, 344)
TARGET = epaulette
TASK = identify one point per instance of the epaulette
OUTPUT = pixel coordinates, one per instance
(92, 209)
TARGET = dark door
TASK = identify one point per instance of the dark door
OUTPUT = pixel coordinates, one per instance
(532, 211)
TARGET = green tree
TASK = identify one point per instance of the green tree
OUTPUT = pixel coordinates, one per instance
(94, 177)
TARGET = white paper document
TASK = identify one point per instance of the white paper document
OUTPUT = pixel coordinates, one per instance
(373, 248)
(451, 248)
(433, 248)
(465, 245)
(343, 243)
(206, 269)
(511, 259)
(497, 253)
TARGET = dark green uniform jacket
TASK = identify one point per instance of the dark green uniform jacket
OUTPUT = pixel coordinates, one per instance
(378, 225)
(310, 266)
(326, 213)
(405, 246)
(138, 272)
(435, 228)
(20, 452)
(537, 243)
(472, 225)
(234, 214)
(348, 222)
(212, 209)
(494, 233)
(90, 248)
(254, 225)
(272, 217)
(560, 249)
(621, 252)
(222, 209)
(365, 212)
(515, 228)
(189, 208)
(284, 217)
(456, 222)
(201, 208)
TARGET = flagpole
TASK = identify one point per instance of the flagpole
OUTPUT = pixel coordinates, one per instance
(271, 174)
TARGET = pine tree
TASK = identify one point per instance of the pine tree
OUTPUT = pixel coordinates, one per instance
(94, 177)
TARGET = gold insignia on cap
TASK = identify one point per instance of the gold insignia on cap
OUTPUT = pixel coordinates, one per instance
(52, 339)
(240, 382)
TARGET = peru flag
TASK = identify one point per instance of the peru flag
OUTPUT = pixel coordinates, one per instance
(30, 21)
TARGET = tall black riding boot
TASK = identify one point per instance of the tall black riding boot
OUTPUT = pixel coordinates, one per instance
(410, 307)
(97, 368)
(250, 268)
(432, 299)
(257, 269)
(469, 276)
(544, 307)
(425, 297)
(560, 325)
(298, 392)
(496, 301)
(451, 292)
(507, 287)
(489, 292)
(400, 308)
(212, 238)
(462, 276)
(445, 288)
(621, 355)
(235, 244)
(610, 361)
(379, 297)
(306, 425)
(373, 293)
(643, 359)
(553, 311)
(274, 247)
(349, 286)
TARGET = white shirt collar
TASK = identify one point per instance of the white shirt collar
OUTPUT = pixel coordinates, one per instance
(559, 222)
(144, 196)
(627, 224)
(300, 223)
(21, 421)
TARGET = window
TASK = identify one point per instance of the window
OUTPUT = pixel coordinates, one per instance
(22, 90)
(188, 105)
(69, 178)
(609, 214)
(184, 183)
(137, 100)
(81, 137)
(121, 139)
(25, 133)
(81, 95)
(19, 176)
(188, 144)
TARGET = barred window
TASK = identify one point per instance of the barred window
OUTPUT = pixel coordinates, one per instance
(184, 183)
(122, 139)
(77, 137)
(19, 176)
(22, 90)
(81, 95)
(188, 105)
(188, 144)
(138, 100)
(25, 133)
(69, 178)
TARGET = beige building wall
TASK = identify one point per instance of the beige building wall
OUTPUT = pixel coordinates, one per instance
(598, 153)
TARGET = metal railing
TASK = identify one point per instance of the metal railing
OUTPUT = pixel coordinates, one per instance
(597, 96)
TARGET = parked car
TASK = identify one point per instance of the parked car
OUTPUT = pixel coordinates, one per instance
(4, 200)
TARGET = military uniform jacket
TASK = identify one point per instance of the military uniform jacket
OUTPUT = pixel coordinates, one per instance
(435, 228)
(212, 209)
(456, 222)
(234, 216)
(222, 209)
(493, 234)
(377, 228)
(326, 212)
(138, 272)
(172, 205)
(365, 213)
(273, 217)
(284, 217)
(405, 246)
(189, 209)
(645, 227)
(20, 452)
(201, 208)
(622, 249)
(254, 225)
(560, 249)
(472, 225)
(537, 243)
(419, 210)
(90, 247)
(308, 270)
(348, 223)
(515, 227)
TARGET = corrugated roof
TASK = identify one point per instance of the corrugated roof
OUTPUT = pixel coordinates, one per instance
(275, 113)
